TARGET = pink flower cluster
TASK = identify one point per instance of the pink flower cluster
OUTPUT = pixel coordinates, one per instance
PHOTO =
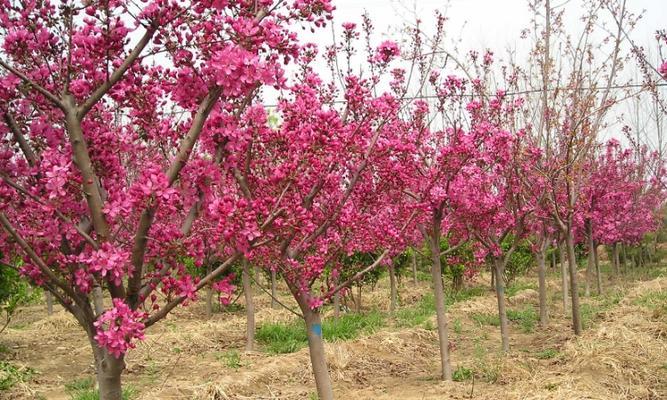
(387, 51)
(110, 261)
(237, 70)
(118, 327)
(33, 273)
(226, 289)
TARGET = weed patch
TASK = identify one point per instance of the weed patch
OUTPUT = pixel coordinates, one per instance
(11, 374)
(84, 389)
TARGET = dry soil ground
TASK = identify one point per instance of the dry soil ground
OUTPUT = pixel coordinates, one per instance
(622, 353)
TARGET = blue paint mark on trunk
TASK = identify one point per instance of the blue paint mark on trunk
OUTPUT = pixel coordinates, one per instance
(316, 329)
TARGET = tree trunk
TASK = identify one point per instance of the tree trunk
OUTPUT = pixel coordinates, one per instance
(457, 282)
(317, 355)
(98, 300)
(358, 300)
(209, 295)
(249, 307)
(591, 260)
(615, 259)
(414, 267)
(540, 255)
(274, 294)
(438, 289)
(108, 370)
(564, 284)
(49, 302)
(624, 259)
(598, 274)
(336, 305)
(394, 291)
(493, 278)
(500, 296)
(572, 262)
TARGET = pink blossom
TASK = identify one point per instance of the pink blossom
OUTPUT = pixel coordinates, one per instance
(387, 51)
(225, 288)
(663, 69)
(118, 327)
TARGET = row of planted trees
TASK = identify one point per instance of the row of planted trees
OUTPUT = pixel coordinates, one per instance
(135, 142)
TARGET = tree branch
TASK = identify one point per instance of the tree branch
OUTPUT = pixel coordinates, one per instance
(117, 74)
(44, 92)
(208, 278)
(20, 138)
(33, 256)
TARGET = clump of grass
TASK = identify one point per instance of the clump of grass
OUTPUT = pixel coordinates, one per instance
(462, 374)
(80, 385)
(420, 313)
(350, 326)
(458, 327)
(417, 314)
(516, 287)
(652, 300)
(231, 358)
(526, 318)
(487, 369)
(84, 389)
(289, 337)
(486, 319)
(11, 374)
(279, 338)
(464, 294)
(546, 354)
(590, 311)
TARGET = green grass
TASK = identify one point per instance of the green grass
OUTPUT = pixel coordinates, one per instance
(79, 385)
(462, 374)
(350, 326)
(231, 358)
(486, 319)
(464, 294)
(590, 311)
(516, 287)
(420, 313)
(11, 374)
(526, 318)
(458, 327)
(417, 314)
(547, 354)
(278, 338)
(84, 389)
(289, 337)
(652, 300)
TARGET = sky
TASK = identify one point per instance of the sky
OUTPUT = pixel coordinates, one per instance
(485, 23)
(497, 25)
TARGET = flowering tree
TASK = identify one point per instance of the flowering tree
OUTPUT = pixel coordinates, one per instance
(325, 180)
(620, 203)
(115, 134)
(496, 203)
(569, 121)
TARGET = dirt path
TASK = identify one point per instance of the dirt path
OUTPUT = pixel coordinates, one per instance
(621, 355)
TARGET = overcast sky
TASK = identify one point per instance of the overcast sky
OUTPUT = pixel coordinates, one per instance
(494, 24)
(487, 23)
